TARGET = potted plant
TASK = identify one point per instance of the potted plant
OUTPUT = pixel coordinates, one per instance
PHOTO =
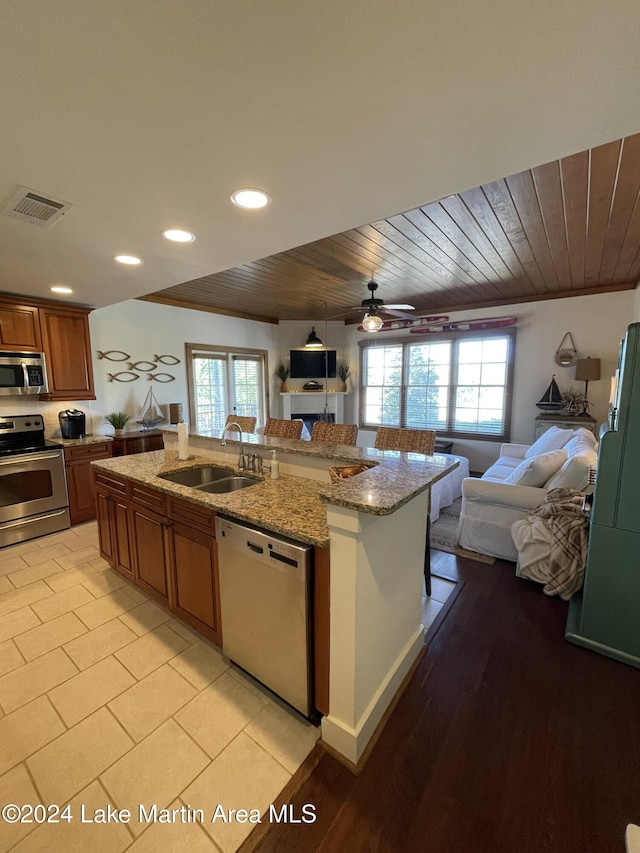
(575, 402)
(283, 374)
(118, 421)
(344, 372)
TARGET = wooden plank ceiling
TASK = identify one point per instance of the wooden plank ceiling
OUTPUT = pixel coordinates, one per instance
(567, 228)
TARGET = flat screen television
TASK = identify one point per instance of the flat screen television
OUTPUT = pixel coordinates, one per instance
(310, 363)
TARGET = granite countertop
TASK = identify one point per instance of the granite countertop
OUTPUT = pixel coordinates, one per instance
(292, 505)
(79, 442)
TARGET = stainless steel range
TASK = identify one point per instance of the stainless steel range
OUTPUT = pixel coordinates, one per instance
(33, 485)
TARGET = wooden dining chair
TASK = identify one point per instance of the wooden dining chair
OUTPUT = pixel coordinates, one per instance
(330, 433)
(412, 441)
(246, 423)
(279, 428)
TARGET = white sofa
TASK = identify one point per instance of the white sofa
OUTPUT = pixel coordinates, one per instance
(517, 482)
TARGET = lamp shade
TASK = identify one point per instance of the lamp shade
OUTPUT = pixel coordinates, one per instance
(588, 369)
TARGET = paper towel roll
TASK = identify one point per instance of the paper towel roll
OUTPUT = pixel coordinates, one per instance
(183, 441)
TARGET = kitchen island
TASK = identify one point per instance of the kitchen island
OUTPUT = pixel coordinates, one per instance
(372, 527)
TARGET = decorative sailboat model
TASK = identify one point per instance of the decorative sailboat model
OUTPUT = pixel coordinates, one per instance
(151, 415)
(551, 400)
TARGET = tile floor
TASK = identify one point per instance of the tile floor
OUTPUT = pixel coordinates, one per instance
(107, 700)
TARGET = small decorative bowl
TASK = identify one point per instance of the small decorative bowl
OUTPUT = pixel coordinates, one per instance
(343, 472)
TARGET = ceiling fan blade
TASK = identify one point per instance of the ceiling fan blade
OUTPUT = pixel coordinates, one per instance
(400, 307)
(387, 310)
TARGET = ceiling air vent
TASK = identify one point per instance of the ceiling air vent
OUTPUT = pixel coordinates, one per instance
(32, 207)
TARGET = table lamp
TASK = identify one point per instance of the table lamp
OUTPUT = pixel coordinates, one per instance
(587, 370)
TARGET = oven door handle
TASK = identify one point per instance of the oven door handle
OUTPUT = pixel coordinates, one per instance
(22, 521)
(25, 374)
(31, 457)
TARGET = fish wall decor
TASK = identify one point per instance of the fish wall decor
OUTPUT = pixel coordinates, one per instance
(109, 355)
(161, 377)
(166, 359)
(142, 365)
(119, 377)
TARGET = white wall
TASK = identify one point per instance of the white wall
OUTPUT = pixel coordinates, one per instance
(597, 324)
(636, 305)
(145, 329)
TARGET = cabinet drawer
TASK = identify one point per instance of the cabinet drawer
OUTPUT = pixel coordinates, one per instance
(110, 484)
(148, 497)
(87, 452)
(189, 513)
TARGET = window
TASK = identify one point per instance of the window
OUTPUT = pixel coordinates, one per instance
(225, 382)
(456, 384)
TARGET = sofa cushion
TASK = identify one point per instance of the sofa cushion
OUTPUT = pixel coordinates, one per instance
(537, 470)
(574, 473)
(503, 468)
(583, 442)
(552, 439)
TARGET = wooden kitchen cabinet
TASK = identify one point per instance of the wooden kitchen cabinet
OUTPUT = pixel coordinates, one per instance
(112, 513)
(149, 533)
(142, 441)
(67, 347)
(80, 484)
(195, 579)
(58, 330)
(19, 327)
(163, 544)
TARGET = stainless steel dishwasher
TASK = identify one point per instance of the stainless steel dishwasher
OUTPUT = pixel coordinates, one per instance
(265, 604)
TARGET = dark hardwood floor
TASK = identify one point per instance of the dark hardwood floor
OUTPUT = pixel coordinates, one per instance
(507, 739)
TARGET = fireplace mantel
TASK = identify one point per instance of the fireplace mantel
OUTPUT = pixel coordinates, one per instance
(301, 402)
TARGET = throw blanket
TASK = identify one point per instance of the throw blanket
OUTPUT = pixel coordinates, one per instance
(552, 543)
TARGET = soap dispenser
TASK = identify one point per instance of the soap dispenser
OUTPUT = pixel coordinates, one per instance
(275, 465)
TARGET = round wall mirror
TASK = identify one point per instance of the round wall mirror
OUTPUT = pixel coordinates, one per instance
(566, 355)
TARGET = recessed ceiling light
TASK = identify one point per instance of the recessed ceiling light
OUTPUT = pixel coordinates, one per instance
(129, 260)
(59, 288)
(177, 235)
(251, 199)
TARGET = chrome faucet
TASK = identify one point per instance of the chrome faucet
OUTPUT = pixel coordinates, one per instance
(242, 462)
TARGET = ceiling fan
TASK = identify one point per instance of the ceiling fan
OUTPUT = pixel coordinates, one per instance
(373, 308)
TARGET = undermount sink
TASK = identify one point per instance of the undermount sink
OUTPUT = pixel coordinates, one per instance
(197, 476)
(228, 484)
(210, 478)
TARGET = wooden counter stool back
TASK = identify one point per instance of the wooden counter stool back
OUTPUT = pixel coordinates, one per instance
(246, 423)
(329, 433)
(279, 428)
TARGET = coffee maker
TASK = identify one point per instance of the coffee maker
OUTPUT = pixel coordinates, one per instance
(72, 423)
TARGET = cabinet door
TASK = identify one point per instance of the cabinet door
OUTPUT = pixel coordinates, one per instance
(20, 328)
(104, 516)
(195, 580)
(68, 351)
(80, 481)
(149, 547)
(122, 539)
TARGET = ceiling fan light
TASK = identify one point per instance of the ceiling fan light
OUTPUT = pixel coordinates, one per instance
(313, 340)
(372, 323)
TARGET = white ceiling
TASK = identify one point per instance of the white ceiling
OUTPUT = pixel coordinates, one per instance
(148, 114)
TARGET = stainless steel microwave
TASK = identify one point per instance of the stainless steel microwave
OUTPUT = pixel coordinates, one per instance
(23, 373)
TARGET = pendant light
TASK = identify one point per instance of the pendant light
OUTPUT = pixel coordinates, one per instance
(313, 340)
